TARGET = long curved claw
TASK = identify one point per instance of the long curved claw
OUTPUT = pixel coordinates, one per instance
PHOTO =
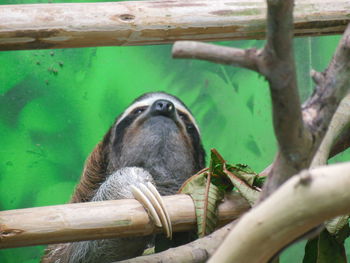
(140, 196)
(150, 198)
(167, 220)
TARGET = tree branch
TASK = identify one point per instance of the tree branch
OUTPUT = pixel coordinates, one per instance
(196, 251)
(337, 136)
(293, 139)
(309, 198)
(244, 58)
(341, 144)
(329, 92)
(318, 114)
(299, 136)
(276, 63)
(100, 220)
(281, 75)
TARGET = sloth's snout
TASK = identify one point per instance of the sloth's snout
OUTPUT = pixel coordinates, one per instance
(163, 107)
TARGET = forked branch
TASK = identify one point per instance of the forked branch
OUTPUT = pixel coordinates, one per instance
(299, 130)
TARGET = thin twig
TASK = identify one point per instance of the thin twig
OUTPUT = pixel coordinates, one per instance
(245, 58)
(337, 136)
(341, 144)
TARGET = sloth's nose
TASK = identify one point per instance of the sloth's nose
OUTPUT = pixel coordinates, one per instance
(163, 107)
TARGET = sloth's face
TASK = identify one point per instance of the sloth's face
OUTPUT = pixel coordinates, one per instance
(156, 128)
(162, 117)
(158, 104)
(157, 132)
(154, 118)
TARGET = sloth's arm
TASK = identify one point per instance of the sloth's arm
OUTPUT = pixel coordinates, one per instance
(117, 186)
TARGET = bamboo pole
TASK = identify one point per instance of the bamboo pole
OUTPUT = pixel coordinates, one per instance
(44, 26)
(99, 220)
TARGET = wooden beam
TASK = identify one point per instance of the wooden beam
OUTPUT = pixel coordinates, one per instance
(43, 26)
(100, 220)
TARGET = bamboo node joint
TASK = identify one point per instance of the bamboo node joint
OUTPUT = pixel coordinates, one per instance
(4, 233)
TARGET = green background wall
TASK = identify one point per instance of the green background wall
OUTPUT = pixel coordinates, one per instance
(55, 105)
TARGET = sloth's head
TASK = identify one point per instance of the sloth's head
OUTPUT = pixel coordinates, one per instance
(159, 133)
(156, 132)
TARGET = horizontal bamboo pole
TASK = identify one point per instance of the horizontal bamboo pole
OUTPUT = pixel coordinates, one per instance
(43, 26)
(98, 220)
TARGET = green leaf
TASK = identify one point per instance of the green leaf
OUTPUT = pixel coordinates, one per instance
(205, 196)
(241, 176)
(218, 177)
(216, 163)
(250, 193)
(243, 172)
(259, 181)
(311, 251)
(324, 249)
(343, 234)
(208, 186)
(219, 168)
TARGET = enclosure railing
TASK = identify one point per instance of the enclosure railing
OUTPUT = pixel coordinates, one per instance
(44, 26)
(105, 219)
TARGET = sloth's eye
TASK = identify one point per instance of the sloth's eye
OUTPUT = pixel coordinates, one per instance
(183, 116)
(138, 110)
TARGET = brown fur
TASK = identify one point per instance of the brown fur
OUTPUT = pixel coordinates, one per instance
(104, 160)
(93, 176)
(94, 173)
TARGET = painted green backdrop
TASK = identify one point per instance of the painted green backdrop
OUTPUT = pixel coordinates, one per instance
(55, 105)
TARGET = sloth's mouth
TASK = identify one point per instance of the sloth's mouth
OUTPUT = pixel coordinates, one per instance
(161, 119)
(161, 123)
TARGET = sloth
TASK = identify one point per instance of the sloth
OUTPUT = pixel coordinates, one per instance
(155, 140)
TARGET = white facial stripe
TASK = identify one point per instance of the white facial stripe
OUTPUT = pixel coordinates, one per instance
(150, 100)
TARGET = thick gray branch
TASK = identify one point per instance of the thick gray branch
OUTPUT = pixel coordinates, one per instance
(294, 140)
(281, 74)
(309, 199)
